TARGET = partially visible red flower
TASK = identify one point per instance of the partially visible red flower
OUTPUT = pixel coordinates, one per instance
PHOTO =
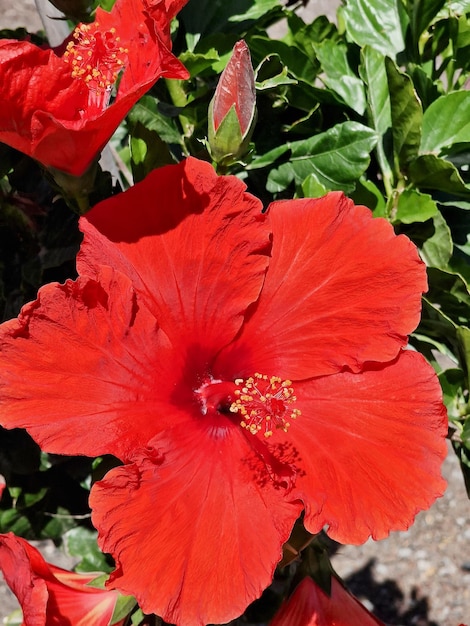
(243, 366)
(50, 595)
(56, 106)
(309, 605)
(2, 485)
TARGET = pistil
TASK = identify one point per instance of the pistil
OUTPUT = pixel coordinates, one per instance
(264, 404)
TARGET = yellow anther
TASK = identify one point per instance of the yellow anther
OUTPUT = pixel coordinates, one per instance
(265, 403)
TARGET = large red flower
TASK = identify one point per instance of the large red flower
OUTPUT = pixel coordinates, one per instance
(50, 595)
(311, 606)
(56, 106)
(243, 366)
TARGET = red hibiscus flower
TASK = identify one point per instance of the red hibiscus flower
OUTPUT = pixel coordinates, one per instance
(311, 606)
(243, 366)
(56, 107)
(50, 595)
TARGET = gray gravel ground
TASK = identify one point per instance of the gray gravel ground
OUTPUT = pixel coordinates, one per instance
(417, 578)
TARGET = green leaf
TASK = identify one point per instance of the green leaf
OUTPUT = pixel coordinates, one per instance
(146, 112)
(435, 242)
(123, 607)
(300, 65)
(368, 194)
(453, 385)
(196, 63)
(338, 75)
(406, 112)
(257, 9)
(372, 71)
(337, 157)
(463, 337)
(431, 172)
(446, 122)
(148, 151)
(312, 187)
(81, 542)
(414, 206)
(271, 73)
(423, 12)
(13, 521)
(219, 16)
(377, 23)
(268, 158)
(449, 293)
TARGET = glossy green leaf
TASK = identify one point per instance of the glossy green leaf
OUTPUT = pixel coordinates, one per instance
(338, 75)
(446, 122)
(301, 65)
(431, 172)
(146, 112)
(197, 62)
(453, 385)
(81, 542)
(414, 206)
(374, 75)
(337, 157)
(449, 293)
(437, 247)
(380, 24)
(271, 73)
(214, 16)
(406, 113)
(312, 187)
(463, 337)
(423, 12)
(256, 10)
(368, 194)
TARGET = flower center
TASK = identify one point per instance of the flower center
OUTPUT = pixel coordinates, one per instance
(96, 57)
(264, 403)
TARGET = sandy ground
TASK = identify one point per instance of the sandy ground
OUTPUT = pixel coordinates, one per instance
(418, 578)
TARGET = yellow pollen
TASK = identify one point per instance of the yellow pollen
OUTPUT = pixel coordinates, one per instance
(95, 57)
(264, 403)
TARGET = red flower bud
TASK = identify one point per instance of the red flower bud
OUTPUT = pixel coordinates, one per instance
(232, 111)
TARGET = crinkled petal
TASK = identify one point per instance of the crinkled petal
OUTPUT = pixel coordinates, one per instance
(86, 370)
(370, 448)
(341, 289)
(194, 244)
(23, 569)
(196, 525)
(48, 594)
(309, 605)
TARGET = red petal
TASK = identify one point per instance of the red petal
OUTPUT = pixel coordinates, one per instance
(194, 244)
(19, 562)
(49, 594)
(196, 529)
(311, 606)
(341, 290)
(372, 445)
(86, 370)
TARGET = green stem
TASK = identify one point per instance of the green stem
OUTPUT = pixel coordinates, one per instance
(179, 99)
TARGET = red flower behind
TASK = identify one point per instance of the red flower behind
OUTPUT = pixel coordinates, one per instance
(56, 105)
(243, 366)
(50, 595)
(311, 606)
